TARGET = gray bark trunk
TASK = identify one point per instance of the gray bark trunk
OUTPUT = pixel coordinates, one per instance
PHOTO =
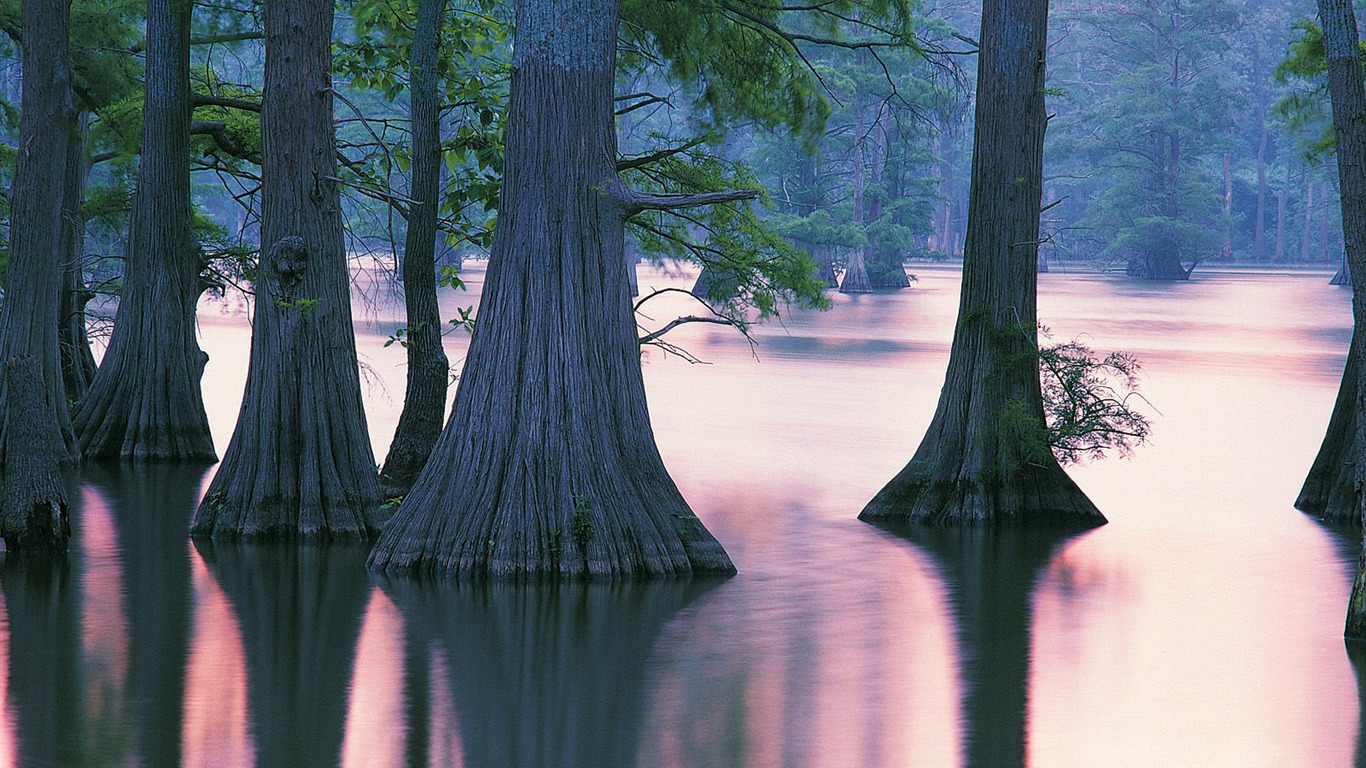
(1345, 88)
(29, 319)
(985, 459)
(146, 401)
(547, 465)
(424, 400)
(300, 462)
(78, 363)
(1330, 490)
(33, 511)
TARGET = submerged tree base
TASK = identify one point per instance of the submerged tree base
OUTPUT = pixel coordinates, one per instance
(1033, 495)
(1155, 268)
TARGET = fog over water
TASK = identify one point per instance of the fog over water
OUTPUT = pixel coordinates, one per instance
(1201, 627)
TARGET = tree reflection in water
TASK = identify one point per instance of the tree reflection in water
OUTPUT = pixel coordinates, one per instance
(539, 675)
(46, 700)
(989, 574)
(149, 507)
(299, 607)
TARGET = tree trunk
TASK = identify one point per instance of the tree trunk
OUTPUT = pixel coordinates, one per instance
(856, 278)
(1280, 226)
(985, 458)
(424, 400)
(1308, 221)
(1345, 88)
(29, 318)
(300, 462)
(78, 363)
(1228, 206)
(33, 512)
(146, 401)
(1330, 490)
(547, 465)
(1259, 224)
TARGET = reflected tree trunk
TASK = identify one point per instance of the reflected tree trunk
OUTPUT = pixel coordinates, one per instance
(151, 507)
(989, 575)
(299, 608)
(545, 675)
(46, 697)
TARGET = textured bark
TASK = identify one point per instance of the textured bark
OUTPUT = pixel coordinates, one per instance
(856, 274)
(78, 363)
(1343, 276)
(299, 462)
(300, 610)
(1330, 490)
(33, 512)
(29, 318)
(571, 658)
(1345, 88)
(145, 401)
(984, 459)
(547, 465)
(424, 399)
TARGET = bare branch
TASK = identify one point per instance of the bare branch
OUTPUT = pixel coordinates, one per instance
(636, 201)
(627, 163)
(210, 100)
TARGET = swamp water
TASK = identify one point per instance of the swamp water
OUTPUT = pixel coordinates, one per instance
(1201, 627)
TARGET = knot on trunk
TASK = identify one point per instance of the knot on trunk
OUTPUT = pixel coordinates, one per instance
(287, 259)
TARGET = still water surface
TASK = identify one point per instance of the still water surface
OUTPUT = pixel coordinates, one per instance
(1201, 627)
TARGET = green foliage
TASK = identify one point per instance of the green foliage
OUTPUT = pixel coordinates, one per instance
(581, 521)
(305, 307)
(756, 268)
(1088, 402)
(1305, 110)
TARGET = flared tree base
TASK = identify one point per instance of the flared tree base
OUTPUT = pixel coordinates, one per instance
(617, 534)
(1157, 268)
(1033, 496)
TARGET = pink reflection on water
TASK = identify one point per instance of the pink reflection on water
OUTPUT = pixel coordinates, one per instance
(104, 626)
(375, 726)
(216, 729)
